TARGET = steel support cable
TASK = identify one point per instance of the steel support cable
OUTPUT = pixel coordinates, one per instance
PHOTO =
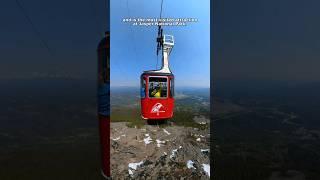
(159, 30)
(37, 32)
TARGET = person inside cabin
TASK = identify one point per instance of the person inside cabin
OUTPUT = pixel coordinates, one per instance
(156, 92)
(151, 88)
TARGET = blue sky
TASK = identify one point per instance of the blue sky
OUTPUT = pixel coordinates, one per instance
(253, 39)
(72, 30)
(133, 48)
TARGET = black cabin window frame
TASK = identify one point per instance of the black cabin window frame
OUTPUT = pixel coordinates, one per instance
(172, 87)
(143, 87)
(167, 82)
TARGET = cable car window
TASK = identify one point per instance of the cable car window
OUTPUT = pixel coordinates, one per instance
(143, 87)
(171, 88)
(158, 87)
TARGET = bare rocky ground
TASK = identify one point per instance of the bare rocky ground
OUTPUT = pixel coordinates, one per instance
(154, 152)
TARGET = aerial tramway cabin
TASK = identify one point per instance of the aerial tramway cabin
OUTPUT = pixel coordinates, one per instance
(157, 86)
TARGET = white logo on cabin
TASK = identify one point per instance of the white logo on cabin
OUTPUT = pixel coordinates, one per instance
(156, 108)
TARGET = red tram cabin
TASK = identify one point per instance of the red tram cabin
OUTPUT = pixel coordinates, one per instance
(157, 86)
(157, 91)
